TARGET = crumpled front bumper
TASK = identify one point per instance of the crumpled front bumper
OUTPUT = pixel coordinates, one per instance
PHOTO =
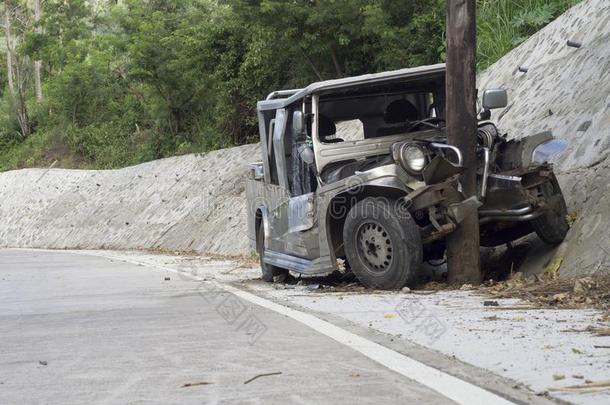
(510, 197)
(514, 197)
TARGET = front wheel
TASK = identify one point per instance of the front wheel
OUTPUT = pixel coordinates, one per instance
(552, 226)
(382, 243)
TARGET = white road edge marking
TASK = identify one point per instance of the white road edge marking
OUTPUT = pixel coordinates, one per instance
(447, 385)
(460, 391)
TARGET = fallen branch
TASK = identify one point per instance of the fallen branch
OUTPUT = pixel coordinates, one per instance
(584, 388)
(261, 375)
(514, 308)
(196, 384)
(600, 331)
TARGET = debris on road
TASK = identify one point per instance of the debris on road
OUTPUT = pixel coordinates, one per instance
(585, 388)
(599, 331)
(545, 291)
(552, 269)
(42, 362)
(196, 384)
(262, 375)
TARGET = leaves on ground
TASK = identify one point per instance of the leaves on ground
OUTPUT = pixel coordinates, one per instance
(550, 291)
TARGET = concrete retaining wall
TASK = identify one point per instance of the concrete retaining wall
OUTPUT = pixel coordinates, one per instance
(567, 90)
(186, 203)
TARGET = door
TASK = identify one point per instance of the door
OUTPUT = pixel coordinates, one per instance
(292, 215)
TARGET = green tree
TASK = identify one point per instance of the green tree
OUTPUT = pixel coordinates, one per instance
(135, 80)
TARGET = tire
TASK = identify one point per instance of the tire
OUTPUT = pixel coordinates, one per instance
(552, 226)
(268, 271)
(382, 243)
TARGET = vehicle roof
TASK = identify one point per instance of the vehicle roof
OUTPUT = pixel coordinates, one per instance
(326, 85)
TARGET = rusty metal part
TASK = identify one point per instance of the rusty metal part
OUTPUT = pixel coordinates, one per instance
(440, 234)
(434, 194)
(440, 230)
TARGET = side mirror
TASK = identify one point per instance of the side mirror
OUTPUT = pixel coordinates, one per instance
(307, 154)
(298, 122)
(494, 98)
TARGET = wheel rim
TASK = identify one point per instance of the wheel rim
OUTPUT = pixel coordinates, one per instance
(374, 246)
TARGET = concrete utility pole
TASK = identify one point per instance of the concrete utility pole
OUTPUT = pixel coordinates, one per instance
(463, 256)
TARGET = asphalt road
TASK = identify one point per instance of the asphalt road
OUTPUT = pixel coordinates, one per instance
(80, 329)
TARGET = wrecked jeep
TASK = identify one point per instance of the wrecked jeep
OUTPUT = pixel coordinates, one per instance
(358, 171)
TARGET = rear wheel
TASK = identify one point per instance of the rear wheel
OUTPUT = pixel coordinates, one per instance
(382, 243)
(268, 271)
(552, 226)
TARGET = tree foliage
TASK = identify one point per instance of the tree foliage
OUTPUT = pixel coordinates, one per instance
(133, 80)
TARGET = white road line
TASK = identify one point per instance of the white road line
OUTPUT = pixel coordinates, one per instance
(460, 391)
(449, 386)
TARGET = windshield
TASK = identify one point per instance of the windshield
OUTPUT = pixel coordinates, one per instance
(374, 115)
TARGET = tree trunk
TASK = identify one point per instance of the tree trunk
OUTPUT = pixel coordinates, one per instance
(175, 120)
(21, 80)
(335, 59)
(9, 45)
(17, 71)
(38, 63)
(463, 254)
(313, 67)
(22, 114)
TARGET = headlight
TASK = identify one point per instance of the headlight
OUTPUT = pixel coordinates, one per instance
(548, 149)
(413, 157)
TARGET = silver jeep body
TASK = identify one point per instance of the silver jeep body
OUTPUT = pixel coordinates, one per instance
(348, 124)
